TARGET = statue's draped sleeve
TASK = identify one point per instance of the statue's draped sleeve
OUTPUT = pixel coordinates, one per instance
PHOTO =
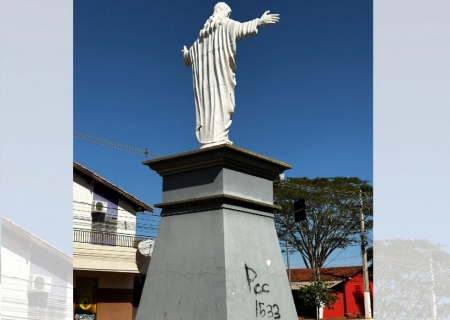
(245, 29)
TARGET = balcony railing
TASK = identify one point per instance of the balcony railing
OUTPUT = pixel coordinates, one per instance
(107, 239)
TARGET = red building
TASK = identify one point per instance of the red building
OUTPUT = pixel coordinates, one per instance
(346, 281)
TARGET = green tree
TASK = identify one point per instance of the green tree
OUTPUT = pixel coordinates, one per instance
(318, 294)
(409, 273)
(333, 215)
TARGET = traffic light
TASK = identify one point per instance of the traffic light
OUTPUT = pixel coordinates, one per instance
(299, 210)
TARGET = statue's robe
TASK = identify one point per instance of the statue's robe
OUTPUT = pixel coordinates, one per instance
(213, 61)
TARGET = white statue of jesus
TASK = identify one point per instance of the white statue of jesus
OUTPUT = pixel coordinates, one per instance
(213, 60)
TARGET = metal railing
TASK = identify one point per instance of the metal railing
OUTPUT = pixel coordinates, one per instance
(107, 239)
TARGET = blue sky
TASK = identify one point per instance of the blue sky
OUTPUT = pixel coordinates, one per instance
(303, 95)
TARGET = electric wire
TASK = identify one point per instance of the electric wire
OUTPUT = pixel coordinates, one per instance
(114, 145)
(36, 185)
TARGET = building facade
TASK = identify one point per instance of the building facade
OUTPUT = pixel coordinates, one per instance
(107, 265)
(36, 277)
(348, 284)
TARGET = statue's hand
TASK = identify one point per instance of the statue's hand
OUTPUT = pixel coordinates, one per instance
(268, 19)
(186, 58)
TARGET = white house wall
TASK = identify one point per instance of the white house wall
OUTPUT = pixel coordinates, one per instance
(83, 195)
(82, 203)
(126, 219)
(23, 255)
(15, 273)
(69, 308)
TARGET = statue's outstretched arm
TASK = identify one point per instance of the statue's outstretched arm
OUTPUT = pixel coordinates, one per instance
(251, 27)
(186, 57)
(268, 19)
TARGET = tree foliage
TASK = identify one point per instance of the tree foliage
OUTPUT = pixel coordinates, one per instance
(318, 294)
(407, 273)
(333, 219)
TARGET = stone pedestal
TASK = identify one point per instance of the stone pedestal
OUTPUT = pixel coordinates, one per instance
(217, 254)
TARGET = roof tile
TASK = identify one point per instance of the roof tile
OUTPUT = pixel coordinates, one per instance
(327, 274)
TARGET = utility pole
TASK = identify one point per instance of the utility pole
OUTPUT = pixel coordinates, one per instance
(287, 252)
(433, 296)
(315, 282)
(288, 264)
(299, 215)
(367, 308)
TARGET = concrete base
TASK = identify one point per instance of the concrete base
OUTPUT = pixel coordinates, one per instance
(217, 254)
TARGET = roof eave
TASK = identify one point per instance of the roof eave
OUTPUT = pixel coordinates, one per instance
(139, 205)
(14, 227)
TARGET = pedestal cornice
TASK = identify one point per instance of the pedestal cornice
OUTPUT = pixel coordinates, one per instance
(227, 156)
(221, 198)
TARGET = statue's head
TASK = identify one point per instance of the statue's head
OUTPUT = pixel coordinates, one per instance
(221, 9)
(221, 12)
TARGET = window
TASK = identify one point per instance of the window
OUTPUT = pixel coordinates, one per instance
(104, 229)
(98, 222)
(103, 223)
(37, 306)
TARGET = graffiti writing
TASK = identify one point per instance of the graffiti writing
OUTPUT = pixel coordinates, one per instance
(262, 310)
(262, 288)
(272, 311)
(258, 288)
(249, 281)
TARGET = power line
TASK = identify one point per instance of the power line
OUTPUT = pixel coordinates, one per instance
(36, 185)
(114, 145)
(117, 208)
(328, 265)
(84, 207)
(425, 260)
(335, 259)
(144, 225)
